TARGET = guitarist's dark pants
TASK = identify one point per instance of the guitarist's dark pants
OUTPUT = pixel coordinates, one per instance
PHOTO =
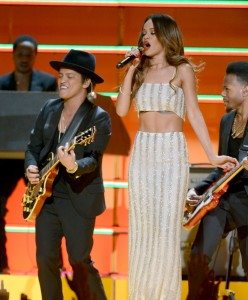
(58, 218)
(231, 213)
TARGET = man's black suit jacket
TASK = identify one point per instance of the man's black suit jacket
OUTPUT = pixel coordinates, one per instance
(40, 82)
(224, 135)
(85, 187)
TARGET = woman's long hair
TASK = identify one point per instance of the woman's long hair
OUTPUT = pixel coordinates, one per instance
(170, 37)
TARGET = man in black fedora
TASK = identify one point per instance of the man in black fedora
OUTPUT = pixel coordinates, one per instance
(77, 193)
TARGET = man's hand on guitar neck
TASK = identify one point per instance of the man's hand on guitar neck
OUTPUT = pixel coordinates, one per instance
(32, 174)
(67, 158)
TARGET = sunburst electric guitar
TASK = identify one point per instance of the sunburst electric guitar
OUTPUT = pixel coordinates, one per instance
(210, 199)
(36, 194)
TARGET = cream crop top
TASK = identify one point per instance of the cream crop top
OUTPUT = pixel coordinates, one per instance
(160, 97)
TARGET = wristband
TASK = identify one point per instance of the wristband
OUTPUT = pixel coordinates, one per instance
(71, 171)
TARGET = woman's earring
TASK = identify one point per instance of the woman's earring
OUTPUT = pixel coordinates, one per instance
(91, 96)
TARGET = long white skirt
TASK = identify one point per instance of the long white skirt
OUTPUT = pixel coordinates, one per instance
(158, 182)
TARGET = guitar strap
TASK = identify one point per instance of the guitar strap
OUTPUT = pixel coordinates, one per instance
(243, 150)
(83, 114)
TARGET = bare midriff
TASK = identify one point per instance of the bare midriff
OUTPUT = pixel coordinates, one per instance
(152, 121)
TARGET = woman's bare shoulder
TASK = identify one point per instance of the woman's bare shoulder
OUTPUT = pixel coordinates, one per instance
(186, 72)
(185, 68)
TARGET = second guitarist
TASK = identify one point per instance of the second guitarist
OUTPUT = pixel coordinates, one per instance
(232, 211)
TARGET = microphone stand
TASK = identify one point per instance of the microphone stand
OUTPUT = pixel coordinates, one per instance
(233, 245)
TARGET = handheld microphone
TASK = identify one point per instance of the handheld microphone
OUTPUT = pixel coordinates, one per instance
(128, 59)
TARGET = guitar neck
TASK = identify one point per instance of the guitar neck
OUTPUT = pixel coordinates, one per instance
(226, 178)
(84, 138)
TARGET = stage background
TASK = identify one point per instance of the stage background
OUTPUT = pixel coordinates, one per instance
(215, 32)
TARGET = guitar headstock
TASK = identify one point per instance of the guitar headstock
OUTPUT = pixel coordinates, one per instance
(86, 137)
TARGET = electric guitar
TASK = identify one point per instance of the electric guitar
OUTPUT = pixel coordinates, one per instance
(36, 194)
(210, 199)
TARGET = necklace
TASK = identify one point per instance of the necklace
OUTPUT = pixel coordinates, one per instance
(238, 128)
(62, 126)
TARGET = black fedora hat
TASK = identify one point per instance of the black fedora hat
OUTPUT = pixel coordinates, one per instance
(79, 61)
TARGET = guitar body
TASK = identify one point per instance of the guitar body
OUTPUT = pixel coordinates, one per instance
(210, 199)
(36, 195)
(209, 202)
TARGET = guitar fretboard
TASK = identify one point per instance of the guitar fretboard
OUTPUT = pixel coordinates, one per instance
(227, 177)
